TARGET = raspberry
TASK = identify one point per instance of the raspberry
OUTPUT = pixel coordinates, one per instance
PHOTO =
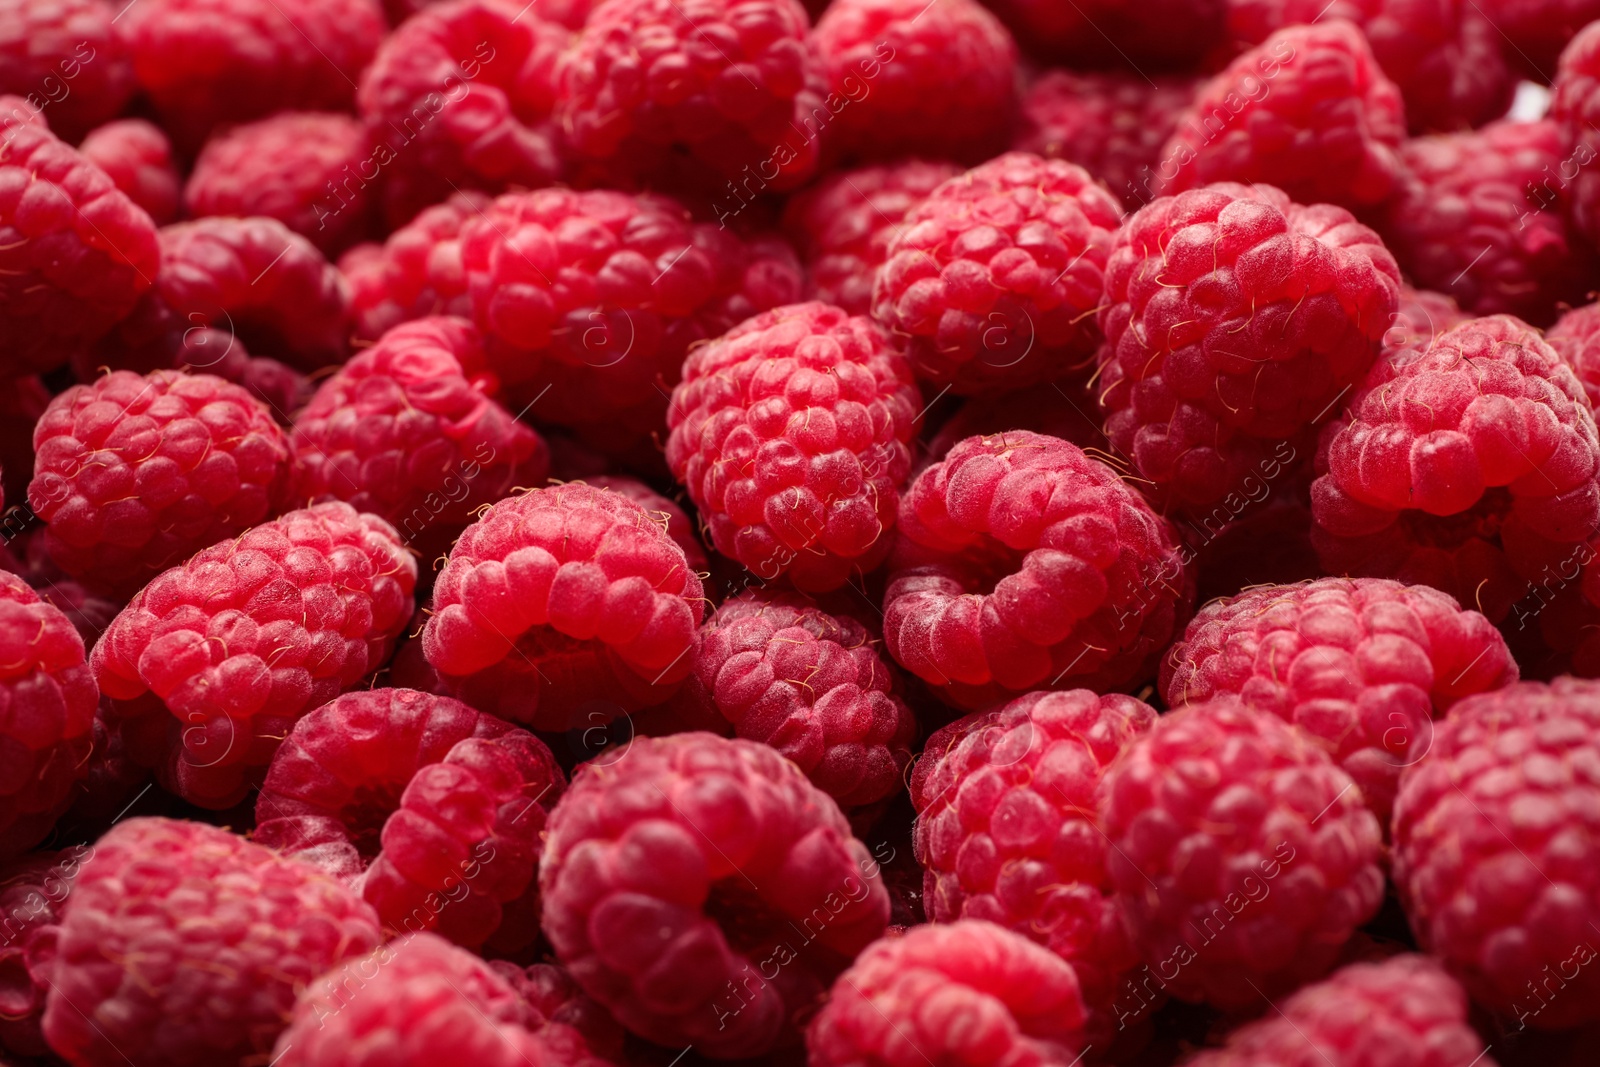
(1575, 107)
(1242, 856)
(1165, 35)
(135, 473)
(960, 995)
(138, 158)
(204, 63)
(561, 598)
(75, 253)
(1422, 315)
(996, 263)
(1023, 564)
(33, 890)
(417, 271)
(843, 224)
(1005, 829)
(185, 944)
(679, 528)
(1469, 468)
(1234, 321)
(405, 431)
(1308, 110)
(673, 884)
(228, 649)
(64, 59)
(1573, 337)
(553, 996)
(90, 612)
(1362, 665)
(1468, 219)
(1405, 1009)
(1494, 853)
(459, 97)
(791, 433)
(428, 808)
(940, 80)
(1535, 31)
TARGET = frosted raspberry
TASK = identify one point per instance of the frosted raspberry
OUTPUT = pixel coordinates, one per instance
(75, 253)
(679, 528)
(1064, 409)
(65, 61)
(138, 158)
(1402, 1010)
(459, 97)
(994, 277)
(1242, 856)
(135, 473)
(416, 272)
(1494, 850)
(1421, 316)
(1469, 468)
(231, 647)
(33, 890)
(561, 596)
(675, 878)
(185, 944)
(1574, 338)
(791, 433)
(1234, 321)
(1153, 36)
(1024, 564)
(1005, 829)
(405, 431)
(940, 81)
(1473, 219)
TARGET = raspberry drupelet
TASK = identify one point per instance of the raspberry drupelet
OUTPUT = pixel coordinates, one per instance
(1421, 316)
(550, 993)
(1575, 107)
(1023, 564)
(138, 158)
(1234, 321)
(679, 526)
(209, 665)
(62, 59)
(415, 273)
(33, 891)
(792, 434)
(703, 891)
(1576, 338)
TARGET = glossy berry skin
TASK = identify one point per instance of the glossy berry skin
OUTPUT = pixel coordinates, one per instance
(415, 273)
(1005, 830)
(792, 433)
(670, 879)
(1242, 856)
(1022, 564)
(1494, 855)
(138, 158)
(1234, 320)
(33, 891)
(63, 60)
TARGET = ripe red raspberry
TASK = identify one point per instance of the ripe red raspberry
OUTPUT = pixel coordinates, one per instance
(185, 944)
(1362, 665)
(416, 272)
(552, 995)
(231, 647)
(1242, 856)
(75, 253)
(961, 995)
(994, 277)
(1163, 35)
(1535, 31)
(677, 878)
(1494, 851)
(90, 612)
(1575, 107)
(1470, 468)
(1005, 830)
(135, 473)
(459, 97)
(1421, 316)
(1574, 338)
(936, 80)
(1234, 321)
(1469, 219)
(561, 597)
(1024, 564)
(678, 526)
(138, 158)
(1405, 1009)
(64, 59)
(33, 890)
(203, 63)
(791, 433)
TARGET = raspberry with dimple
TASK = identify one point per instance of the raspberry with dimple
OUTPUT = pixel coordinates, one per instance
(138, 158)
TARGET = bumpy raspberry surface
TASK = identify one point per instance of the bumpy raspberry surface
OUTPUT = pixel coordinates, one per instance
(791, 433)
(1406, 1010)
(33, 890)
(75, 252)
(185, 944)
(560, 597)
(1421, 316)
(1157, 36)
(1364, 665)
(459, 97)
(1575, 107)
(1470, 468)
(670, 880)
(416, 272)
(1576, 337)
(994, 277)
(939, 81)
(1024, 564)
(63, 58)
(1473, 218)
(1234, 321)
(135, 473)
(406, 431)
(138, 158)
(1005, 831)
(90, 611)
(554, 997)
(1242, 856)
(231, 647)
(431, 810)
(679, 527)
